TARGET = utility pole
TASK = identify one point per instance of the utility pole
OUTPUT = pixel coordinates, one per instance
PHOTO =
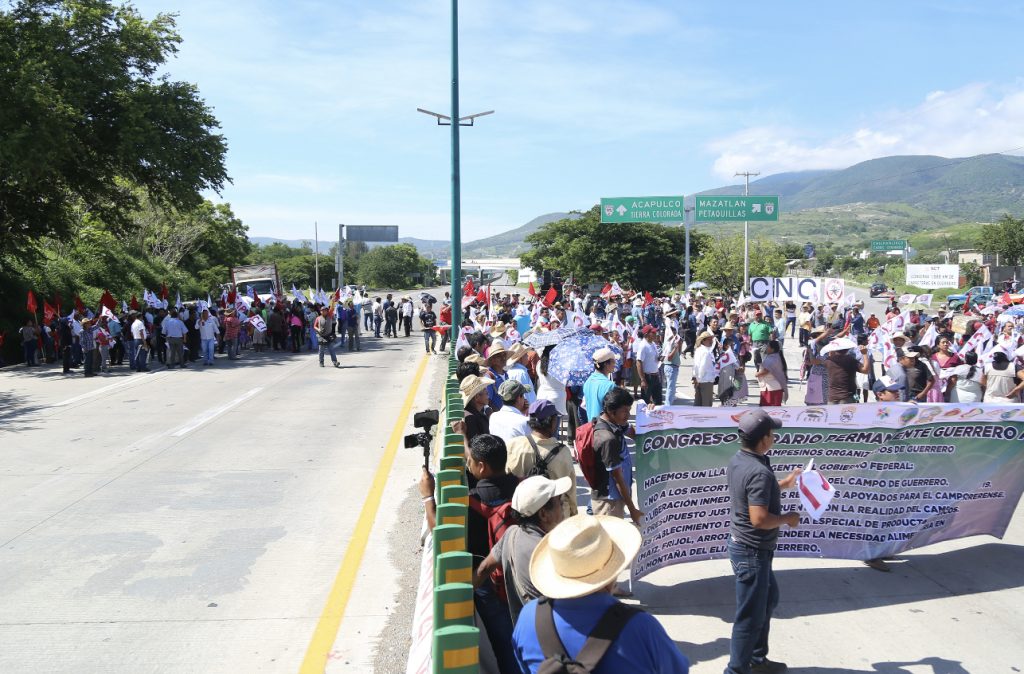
(746, 234)
(455, 121)
(687, 223)
(316, 255)
(341, 255)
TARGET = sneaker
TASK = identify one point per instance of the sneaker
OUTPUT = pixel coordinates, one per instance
(767, 666)
(337, 364)
(321, 364)
(877, 565)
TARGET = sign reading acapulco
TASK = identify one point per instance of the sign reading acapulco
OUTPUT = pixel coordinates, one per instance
(904, 476)
(642, 209)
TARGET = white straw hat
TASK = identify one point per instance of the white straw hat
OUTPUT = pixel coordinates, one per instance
(582, 555)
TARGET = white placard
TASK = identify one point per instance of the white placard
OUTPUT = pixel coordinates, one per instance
(933, 275)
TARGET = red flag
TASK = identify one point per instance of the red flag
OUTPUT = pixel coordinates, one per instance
(1006, 299)
(467, 289)
(231, 297)
(481, 296)
(606, 289)
(533, 293)
(134, 304)
(164, 292)
(108, 300)
(550, 296)
(31, 303)
(79, 306)
(49, 312)
(648, 298)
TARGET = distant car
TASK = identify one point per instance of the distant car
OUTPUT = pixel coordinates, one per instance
(973, 292)
(878, 289)
(978, 300)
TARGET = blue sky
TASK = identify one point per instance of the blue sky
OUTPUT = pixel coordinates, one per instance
(593, 98)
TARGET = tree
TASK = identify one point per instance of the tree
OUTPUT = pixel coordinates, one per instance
(721, 262)
(824, 263)
(391, 266)
(1006, 239)
(645, 256)
(86, 118)
(973, 274)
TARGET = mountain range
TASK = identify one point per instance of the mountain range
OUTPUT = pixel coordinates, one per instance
(885, 197)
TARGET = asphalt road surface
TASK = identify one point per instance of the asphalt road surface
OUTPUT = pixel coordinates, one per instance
(198, 520)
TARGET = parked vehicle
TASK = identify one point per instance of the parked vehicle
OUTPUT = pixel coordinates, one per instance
(263, 278)
(878, 289)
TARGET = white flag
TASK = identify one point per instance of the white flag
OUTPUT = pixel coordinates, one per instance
(177, 299)
(816, 493)
(925, 299)
(907, 298)
(258, 323)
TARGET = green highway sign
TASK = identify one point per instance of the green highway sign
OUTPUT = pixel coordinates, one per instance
(642, 209)
(882, 245)
(720, 208)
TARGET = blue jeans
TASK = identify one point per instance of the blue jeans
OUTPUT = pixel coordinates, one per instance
(329, 347)
(671, 377)
(133, 349)
(208, 347)
(757, 595)
(141, 359)
(498, 621)
(376, 326)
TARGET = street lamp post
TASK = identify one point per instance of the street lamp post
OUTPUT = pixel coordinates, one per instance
(443, 120)
(687, 223)
(746, 233)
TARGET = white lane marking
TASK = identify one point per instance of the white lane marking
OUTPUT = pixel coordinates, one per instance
(105, 389)
(209, 415)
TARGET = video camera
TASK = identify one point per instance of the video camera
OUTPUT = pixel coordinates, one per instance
(426, 420)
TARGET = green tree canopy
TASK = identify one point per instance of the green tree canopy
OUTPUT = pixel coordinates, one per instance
(390, 266)
(721, 262)
(85, 117)
(646, 256)
(1006, 238)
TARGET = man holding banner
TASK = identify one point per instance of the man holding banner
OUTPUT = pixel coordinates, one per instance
(756, 499)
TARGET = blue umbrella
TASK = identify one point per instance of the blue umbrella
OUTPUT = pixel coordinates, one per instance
(1016, 310)
(538, 339)
(571, 360)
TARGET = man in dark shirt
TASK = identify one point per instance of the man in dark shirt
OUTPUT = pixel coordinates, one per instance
(755, 494)
(428, 319)
(842, 368)
(613, 495)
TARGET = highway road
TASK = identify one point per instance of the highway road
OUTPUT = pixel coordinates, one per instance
(198, 520)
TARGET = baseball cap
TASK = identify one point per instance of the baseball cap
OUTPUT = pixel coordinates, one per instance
(603, 355)
(542, 409)
(534, 492)
(907, 353)
(886, 383)
(510, 389)
(753, 425)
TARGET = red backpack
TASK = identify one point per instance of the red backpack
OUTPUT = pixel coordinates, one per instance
(499, 519)
(585, 454)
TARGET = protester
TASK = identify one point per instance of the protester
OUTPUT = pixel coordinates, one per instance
(428, 319)
(511, 421)
(772, 377)
(575, 567)
(755, 495)
(613, 495)
(325, 333)
(598, 383)
(540, 453)
(517, 371)
(705, 370)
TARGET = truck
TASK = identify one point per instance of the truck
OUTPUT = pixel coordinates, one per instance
(979, 295)
(263, 278)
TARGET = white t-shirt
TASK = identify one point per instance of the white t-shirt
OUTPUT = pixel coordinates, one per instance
(138, 329)
(508, 423)
(647, 354)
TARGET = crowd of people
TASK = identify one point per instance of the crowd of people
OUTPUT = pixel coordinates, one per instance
(95, 340)
(547, 587)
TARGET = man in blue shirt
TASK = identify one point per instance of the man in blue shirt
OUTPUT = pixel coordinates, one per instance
(598, 383)
(575, 566)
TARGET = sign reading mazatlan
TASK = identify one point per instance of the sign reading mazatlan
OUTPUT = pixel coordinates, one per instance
(905, 476)
(720, 208)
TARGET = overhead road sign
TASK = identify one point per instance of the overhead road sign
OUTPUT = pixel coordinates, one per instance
(724, 208)
(642, 209)
(385, 233)
(883, 245)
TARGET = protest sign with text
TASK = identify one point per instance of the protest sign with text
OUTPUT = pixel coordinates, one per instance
(904, 476)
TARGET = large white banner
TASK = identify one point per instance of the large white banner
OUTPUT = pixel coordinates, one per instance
(787, 289)
(933, 275)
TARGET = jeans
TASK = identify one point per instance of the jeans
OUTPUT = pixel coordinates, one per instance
(445, 338)
(757, 595)
(208, 347)
(790, 325)
(89, 359)
(328, 347)
(141, 359)
(498, 621)
(805, 336)
(175, 352)
(407, 324)
(232, 346)
(430, 340)
(367, 320)
(353, 337)
(671, 377)
(30, 352)
(376, 326)
(133, 351)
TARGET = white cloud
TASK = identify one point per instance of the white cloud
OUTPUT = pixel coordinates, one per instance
(975, 119)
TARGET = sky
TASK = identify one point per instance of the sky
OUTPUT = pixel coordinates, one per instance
(593, 98)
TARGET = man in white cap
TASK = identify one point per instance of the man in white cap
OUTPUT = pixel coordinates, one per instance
(538, 509)
(599, 382)
(575, 567)
(756, 498)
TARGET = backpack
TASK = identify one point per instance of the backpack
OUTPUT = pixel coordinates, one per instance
(585, 454)
(499, 518)
(540, 465)
(604, 634)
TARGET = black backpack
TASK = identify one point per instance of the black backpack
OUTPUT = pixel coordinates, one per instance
(540, 466)
(607, 630)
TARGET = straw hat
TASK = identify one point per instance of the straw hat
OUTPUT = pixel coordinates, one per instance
(499, 329)
(472, 386)
(495, 349)
(705, 335)
(582, 555)
(516, 352)
(475, 358)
